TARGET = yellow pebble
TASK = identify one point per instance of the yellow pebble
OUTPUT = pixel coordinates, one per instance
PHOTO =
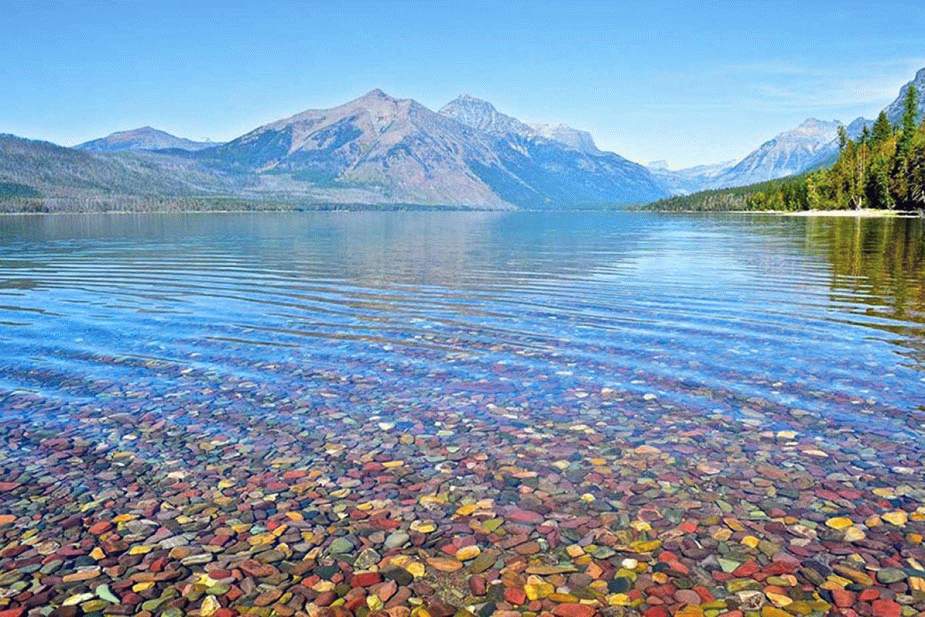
(468, 552)
(618, 599)
(261, 538)
(124, 518)
(537, 589)
(779, 599)
(640, 526)
(466, 510)
(839, 522)
(574, 550)
(209, 606)
(898, 518)
(854, 534)
(750, 541)
(645, 546)
(423, 526)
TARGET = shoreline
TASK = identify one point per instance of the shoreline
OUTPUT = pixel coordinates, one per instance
(864, 213)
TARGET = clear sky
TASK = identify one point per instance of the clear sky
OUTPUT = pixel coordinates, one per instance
(690, 82)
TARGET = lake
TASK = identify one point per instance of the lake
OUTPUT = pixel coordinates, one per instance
(363, 391)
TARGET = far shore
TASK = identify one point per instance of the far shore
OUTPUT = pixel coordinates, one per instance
(867, 213)
(864, 213)
(284, 209)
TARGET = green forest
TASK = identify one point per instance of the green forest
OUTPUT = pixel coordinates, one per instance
(884, 168)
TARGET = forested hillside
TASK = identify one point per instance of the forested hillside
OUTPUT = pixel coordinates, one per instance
(884, 168)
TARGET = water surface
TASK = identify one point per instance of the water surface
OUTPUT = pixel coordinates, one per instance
(713, 313)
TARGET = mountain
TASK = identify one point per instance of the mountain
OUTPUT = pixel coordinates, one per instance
(548, 165)
(482, 115)
(145, 138)
(789, 153)
(812, 144)
(379, 149)
(573, 138)
(689, 179)
(390, 150)
(894, 111)
(40, 168)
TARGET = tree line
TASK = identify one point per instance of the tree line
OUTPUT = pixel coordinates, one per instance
(883, 168)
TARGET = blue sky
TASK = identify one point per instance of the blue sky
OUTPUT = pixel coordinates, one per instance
(690, 82)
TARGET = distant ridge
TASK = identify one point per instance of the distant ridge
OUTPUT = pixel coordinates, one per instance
(144, 138)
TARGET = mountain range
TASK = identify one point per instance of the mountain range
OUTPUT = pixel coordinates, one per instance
(378, 150)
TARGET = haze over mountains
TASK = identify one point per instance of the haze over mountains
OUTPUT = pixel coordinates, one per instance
(380, 150)
(145, 138)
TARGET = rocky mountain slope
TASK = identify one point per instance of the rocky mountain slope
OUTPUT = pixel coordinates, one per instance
(399, 151)
(56, 172)
(145, 138)
(894, 111)
(543, 166)
(812, 144)
(791, 152)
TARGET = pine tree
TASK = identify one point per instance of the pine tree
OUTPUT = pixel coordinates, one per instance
(843, 139)
(910, 110)
(882, 130)
(902, 187)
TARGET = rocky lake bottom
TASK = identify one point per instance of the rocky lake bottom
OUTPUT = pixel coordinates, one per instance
(438, 414)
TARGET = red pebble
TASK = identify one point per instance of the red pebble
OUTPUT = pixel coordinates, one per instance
(478, 585)
(365, 579)
(843, 598)
(100, 527)
(573, 609)
(886, 608)
(746, 570)
(656, 611)
(515, 596)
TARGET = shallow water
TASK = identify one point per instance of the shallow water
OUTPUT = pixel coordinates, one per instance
(706, 312)
(568, 414)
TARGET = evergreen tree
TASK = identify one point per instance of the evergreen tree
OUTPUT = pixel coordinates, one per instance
(843, 139)
(882, 130)
(902, 187)
(910, 110)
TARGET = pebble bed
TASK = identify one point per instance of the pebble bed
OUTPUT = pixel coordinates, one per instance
(241, 497)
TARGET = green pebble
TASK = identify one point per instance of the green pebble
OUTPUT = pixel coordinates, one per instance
(103, 592)
(340, 546)
(492, 524)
